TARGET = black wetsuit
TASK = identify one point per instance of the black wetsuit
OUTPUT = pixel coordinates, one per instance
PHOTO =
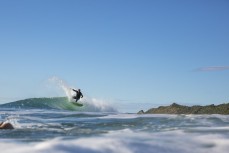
(78, 95)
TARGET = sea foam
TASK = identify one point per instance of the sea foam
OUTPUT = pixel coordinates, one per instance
(127, 141)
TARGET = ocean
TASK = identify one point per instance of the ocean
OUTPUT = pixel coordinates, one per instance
(56, 125)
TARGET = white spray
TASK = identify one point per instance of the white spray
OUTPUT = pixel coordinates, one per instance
(63, 85)
(91, 104)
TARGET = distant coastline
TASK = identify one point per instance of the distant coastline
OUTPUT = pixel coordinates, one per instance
(197, 109)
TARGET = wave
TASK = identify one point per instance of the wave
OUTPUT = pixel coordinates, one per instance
(62, 103)
(59, 103)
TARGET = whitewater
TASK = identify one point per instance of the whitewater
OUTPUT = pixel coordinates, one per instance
(56, 125)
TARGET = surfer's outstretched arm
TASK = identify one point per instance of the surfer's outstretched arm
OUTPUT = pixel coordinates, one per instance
(75, 90)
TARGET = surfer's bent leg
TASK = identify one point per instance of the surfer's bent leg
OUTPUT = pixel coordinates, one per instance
(77, 99)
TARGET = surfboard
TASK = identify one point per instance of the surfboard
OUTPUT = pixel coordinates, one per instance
(77, 104)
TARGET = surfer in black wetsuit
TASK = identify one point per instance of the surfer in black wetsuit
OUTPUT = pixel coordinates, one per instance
(78, 94)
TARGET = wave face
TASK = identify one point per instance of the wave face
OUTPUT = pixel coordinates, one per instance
(60, 103)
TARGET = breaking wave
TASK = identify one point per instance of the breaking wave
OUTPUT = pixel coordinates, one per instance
(61, 103)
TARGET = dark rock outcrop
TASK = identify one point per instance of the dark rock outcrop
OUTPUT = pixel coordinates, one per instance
(4, 125)
(141, 112)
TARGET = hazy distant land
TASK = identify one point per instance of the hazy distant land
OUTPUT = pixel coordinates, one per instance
(181, 109)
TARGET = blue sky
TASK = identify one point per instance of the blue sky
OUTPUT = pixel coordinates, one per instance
(129, 51)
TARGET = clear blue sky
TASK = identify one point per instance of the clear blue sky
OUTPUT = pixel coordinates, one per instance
(140, 51)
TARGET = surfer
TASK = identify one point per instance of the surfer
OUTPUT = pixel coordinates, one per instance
(4, 125)
(78, 94)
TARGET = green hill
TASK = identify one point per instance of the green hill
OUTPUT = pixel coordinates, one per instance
(180, 109)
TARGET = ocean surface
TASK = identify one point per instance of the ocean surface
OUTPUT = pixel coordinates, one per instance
(56, 125)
